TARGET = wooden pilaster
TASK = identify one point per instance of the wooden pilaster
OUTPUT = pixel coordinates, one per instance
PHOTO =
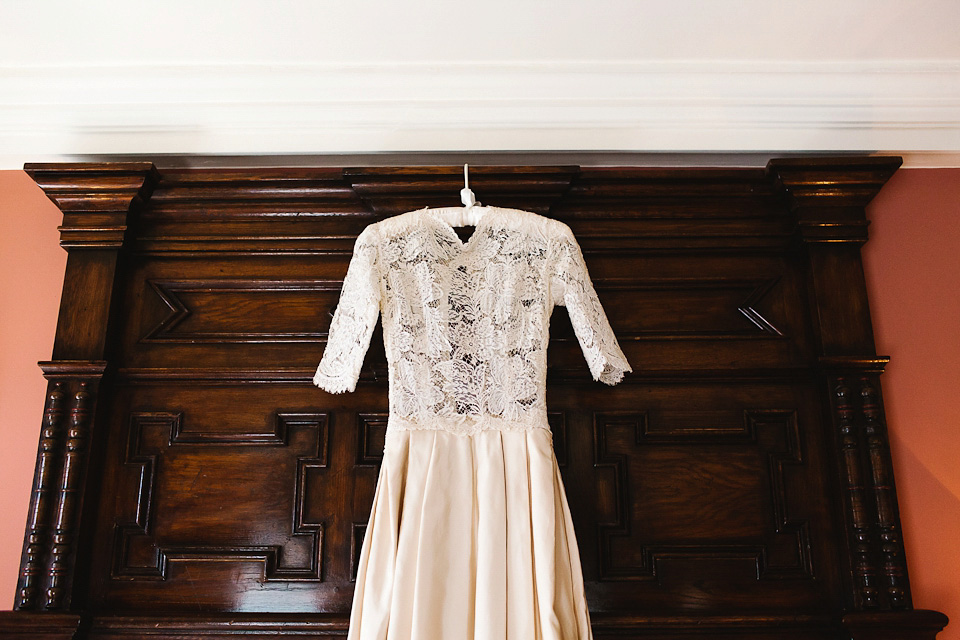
(96, 201)
(828, 197)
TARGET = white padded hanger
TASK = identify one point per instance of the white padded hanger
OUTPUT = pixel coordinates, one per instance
(471, 211)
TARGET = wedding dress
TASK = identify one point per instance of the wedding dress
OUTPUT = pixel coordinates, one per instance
(469, 535)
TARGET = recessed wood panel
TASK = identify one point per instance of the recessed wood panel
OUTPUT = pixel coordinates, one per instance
(238, 310)
(208, 490)
(729, 482)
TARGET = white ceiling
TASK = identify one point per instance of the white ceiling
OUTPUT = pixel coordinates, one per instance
(80, 80)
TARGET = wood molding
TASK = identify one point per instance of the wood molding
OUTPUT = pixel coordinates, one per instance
(94, 198)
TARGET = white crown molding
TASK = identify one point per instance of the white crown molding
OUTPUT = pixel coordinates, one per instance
(910, 107)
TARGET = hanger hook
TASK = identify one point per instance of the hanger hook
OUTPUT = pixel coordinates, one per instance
(466, 194)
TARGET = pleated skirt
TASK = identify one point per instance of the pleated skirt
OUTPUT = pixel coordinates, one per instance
(469, 538)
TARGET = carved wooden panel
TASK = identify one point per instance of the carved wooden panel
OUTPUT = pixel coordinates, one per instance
(192, 482)
(735, 471)
(237, 310)
(211, 490)
(195, 481)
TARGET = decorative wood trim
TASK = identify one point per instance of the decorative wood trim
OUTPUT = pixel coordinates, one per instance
(36, 548)
(94, 198)
(389, 191)
(214, 625)
(27, 625)
(72, 369)
(828, 195)
(66, 522)
(854, 365)
(53, 519)
(916, 624)
(693, 625)
(864, 577)
(891, 556)
(320, 624)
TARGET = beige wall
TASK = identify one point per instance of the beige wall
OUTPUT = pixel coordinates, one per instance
(912, 264)
(368, 76)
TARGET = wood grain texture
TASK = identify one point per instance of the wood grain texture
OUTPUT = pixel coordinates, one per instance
(736, 485)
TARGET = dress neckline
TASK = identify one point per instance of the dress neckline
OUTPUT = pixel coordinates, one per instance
(437, 216)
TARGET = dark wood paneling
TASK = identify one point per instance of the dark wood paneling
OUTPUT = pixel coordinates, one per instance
(737, 485)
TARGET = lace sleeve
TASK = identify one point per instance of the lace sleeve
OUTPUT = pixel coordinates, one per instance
(571, 287)
(354, 319)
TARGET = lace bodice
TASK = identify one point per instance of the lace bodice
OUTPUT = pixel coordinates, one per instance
(465, 324)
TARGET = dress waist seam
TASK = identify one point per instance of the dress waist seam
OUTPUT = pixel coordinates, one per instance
(467, 424)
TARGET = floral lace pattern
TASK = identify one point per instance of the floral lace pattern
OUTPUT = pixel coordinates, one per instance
(466, 324)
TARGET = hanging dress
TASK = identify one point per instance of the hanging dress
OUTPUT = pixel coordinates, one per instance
(469, 535)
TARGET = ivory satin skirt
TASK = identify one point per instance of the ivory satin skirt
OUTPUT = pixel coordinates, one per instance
(469, 538)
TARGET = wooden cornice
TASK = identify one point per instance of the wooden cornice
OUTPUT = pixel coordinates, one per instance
(829, 195)
(95, 198)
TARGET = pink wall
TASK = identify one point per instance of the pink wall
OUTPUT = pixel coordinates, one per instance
(913, 274)
(31, 274)
(912, 266)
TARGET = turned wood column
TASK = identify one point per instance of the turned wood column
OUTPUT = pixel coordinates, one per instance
(96, 201)
(828, 197)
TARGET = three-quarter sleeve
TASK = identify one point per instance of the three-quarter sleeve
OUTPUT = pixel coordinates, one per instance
(354, 318)
(572, 288)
